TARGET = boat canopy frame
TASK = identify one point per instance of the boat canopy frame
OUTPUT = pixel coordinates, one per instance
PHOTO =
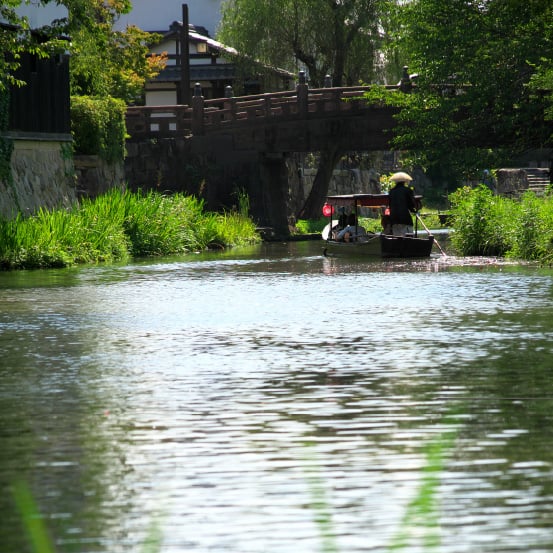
(359, 200)
(364, 200)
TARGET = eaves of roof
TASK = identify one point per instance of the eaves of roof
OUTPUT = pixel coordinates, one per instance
(209, 72)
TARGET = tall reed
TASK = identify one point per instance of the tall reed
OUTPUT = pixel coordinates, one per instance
(117, 226)
(534, 223)
(489, 224)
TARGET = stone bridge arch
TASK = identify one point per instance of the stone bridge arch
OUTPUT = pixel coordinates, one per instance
(214, 148)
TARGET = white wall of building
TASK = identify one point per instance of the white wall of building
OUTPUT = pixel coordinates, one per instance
(157, 15)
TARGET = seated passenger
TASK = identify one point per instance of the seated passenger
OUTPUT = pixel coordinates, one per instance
(352, 230)
(342, 223)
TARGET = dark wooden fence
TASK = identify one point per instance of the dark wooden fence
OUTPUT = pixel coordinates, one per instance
(43, 104)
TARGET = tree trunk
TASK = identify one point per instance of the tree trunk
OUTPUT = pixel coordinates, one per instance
(319, 190)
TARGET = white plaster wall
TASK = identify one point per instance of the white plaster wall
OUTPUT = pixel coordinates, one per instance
(161, 98)
(157, 15)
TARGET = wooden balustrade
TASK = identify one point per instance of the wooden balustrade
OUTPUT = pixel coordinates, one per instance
(210, 115)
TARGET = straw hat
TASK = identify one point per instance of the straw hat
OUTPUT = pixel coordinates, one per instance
(400, 177)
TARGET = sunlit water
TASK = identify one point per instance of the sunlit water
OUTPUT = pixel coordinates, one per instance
(273, 400)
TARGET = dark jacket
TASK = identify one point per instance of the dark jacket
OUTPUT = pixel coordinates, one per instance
(402, 204)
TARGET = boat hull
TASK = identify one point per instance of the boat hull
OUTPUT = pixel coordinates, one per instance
(381, 245)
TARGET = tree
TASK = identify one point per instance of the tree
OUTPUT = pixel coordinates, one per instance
(16, 39)
(105, 62)
(342, 38)
(475, 60)
(9, 43)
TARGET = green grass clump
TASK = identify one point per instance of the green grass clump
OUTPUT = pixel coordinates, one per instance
(482, 222)
(116, 227)
(488, 224)
(309, 226)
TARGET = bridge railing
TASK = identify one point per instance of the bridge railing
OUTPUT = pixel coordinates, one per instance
(205, 116)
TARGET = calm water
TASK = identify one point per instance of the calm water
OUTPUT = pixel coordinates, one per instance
(272, 400)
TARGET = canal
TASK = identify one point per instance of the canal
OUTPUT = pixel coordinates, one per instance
(272, 400)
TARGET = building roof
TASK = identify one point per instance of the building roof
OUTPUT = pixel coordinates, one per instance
(207, 72)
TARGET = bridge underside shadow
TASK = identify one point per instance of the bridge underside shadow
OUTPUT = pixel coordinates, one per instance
(253, 158)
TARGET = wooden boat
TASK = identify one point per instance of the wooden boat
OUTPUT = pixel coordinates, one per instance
(370, 244)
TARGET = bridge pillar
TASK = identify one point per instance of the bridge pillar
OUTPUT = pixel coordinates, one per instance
(303, 94)
(273, 193)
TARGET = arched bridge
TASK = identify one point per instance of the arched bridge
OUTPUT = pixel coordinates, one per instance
(300, 120)
(245, 143)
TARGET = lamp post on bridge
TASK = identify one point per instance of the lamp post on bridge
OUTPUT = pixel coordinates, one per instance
(198, 110)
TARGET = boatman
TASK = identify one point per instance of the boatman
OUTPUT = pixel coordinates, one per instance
(402, 204)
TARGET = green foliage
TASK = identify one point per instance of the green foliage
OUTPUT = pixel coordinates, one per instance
(11, 45)
(541, 84)
(157, 224)
(104, 62)
(486, 224)
(37, 532)
(475, 61)
(482, 222)
(309, 226)
(98, 127)
(421, 520)
(534, 221)
(112, 63)
(313, 226)
(340, 38)
(32, 519)
(232, 228)
(117, 226)
(380, 96)
(16, 39)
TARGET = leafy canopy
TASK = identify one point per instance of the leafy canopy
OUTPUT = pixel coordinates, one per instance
(484, 83)
(104, 62)
(337, 37)
(15, 39)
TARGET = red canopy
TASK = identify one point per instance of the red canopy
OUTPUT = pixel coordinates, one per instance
(364, 200)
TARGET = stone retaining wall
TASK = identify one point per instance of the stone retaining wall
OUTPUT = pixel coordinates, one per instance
(511, 182)
(43, 176)
(94, 176)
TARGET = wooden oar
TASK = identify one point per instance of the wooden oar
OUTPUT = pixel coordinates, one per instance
(427, 230)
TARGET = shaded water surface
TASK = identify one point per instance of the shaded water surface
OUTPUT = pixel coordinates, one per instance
(272, 400)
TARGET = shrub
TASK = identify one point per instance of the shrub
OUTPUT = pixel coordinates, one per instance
(533, 239)
(98, 127)
(483, 222)
(486, 224)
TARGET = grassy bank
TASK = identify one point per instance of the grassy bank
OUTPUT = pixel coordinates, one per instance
(118, 226)
(487, 224)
